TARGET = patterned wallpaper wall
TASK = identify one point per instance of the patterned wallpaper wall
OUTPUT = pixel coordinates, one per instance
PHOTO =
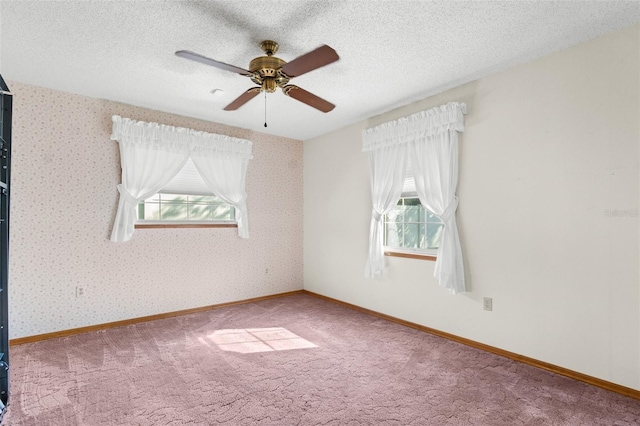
(64, 197)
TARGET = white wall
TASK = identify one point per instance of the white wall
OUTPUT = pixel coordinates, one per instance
(64, 198)
(549, 147)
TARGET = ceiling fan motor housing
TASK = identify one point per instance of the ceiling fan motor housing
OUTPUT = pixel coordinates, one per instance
(264, 70)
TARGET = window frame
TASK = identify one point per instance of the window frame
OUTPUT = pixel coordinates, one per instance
(172, 223)
(410, 253)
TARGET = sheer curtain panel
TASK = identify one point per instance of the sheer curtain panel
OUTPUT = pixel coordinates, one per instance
(434, 157)
(223, 167)
(387, 169)
(152, 154)
(431, 140)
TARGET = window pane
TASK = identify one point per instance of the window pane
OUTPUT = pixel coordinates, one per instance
(151, 211)
(154, 198)
(412, 202)
(223, 212)
(393, 235)
(411, 235)
(174, 198)
(434, 235)
(200, 211)
(201, 198)
(422, 244)
(173, 212)
(412, 213)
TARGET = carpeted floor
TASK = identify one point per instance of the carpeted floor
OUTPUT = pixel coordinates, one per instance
(294, 360)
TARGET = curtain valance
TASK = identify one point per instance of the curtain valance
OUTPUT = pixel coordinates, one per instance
(424, 123)
(179, 139)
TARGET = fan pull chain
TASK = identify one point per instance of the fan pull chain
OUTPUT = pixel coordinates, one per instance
(265, 108)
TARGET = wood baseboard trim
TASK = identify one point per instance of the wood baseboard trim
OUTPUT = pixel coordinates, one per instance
(623, 390)
(98, 327)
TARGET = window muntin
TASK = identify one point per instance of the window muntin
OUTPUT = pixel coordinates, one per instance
(410, 227)
(176, 208)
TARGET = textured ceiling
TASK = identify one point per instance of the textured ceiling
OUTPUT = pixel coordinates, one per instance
(391, 52)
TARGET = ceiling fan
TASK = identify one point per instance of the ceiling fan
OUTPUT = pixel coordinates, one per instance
(270, 72)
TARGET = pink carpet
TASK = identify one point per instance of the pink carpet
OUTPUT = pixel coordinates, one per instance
(295, 360)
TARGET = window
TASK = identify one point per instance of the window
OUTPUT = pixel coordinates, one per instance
(185, 201)
(411, 228)
(178, 208)
(156, 158)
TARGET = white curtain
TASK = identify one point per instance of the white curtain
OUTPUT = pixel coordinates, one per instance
(223, 167)
(434, 156)
(432, 140)
(387, 170)
(152, 154)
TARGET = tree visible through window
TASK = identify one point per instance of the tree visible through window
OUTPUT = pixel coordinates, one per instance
(185, 207)
(411, 227)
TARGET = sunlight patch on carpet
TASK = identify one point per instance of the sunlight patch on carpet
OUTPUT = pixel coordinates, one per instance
(252, 340)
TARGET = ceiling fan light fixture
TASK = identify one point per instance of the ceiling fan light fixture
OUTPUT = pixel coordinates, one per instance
(269, 85)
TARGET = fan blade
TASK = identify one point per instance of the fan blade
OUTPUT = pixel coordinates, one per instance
(323, 55)
(308, 98)
(208, 61)
(243, 99)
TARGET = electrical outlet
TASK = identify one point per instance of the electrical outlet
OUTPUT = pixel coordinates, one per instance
(488, 304)
(80, 291)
